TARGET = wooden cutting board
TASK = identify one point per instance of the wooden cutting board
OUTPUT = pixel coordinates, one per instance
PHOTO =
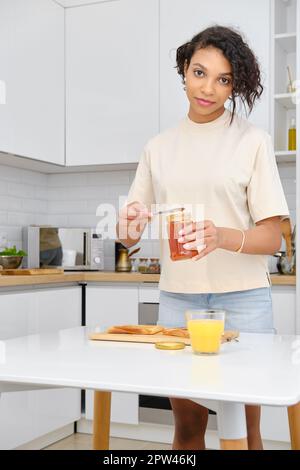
(36, 271)
(229, 336)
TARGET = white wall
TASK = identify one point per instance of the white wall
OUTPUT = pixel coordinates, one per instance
(74, 198)
(182, 19)
(23, 201)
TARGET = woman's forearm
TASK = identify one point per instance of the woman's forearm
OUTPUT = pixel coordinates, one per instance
(262, 239)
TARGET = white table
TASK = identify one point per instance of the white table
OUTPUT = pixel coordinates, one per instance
(259, 369)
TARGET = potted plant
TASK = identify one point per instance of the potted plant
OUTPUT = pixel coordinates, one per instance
(11, 258)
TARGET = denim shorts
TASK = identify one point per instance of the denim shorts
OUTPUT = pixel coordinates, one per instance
(248, 311)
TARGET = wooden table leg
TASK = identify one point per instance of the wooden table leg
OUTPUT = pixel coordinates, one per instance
(101, 426)
(234, 444)
(294, 423)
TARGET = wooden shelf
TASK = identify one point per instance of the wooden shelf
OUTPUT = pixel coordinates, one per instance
(287, 41)
(286, 100)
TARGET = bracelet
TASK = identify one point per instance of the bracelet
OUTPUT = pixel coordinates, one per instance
(243, 241)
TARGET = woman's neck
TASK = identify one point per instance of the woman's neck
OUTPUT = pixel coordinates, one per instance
(200, 119)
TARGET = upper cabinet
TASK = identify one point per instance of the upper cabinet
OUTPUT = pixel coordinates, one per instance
(32, 71)
(89, 82)
(112, 80)
(179, 23)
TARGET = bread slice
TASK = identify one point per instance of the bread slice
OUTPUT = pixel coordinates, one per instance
(182, 332)
(135, 329)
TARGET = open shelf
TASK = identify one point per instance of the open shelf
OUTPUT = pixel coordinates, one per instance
(287, 100)
(285, 16)
(287, 41)
(285, 156)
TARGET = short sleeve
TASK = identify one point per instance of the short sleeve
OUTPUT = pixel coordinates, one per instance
(141, 189)
(265, 193)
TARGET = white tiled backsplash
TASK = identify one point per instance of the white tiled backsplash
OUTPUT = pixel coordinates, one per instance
(28, 197)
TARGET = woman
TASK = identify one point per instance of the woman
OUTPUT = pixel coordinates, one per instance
(218, 159)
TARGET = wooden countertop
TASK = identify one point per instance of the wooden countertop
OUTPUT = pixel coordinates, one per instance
(73, 277)
(106, 276)
(283, 280)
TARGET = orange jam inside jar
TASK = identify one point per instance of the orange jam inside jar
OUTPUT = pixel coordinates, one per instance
(177, 222)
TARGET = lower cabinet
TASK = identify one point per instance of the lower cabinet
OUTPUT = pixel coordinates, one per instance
(284, 309)
(106, 306)
(274, 420)
(25, 416)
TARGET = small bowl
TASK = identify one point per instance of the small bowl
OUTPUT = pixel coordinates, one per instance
(10, 262)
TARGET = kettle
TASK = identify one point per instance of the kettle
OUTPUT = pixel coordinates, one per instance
(124, 262)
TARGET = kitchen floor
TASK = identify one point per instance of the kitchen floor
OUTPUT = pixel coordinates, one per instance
(80, 441)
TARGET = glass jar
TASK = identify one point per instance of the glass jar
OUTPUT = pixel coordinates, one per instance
(154, 266)
(177, 222)
(143, 265)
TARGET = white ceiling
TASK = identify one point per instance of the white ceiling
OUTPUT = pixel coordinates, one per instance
(75, 3)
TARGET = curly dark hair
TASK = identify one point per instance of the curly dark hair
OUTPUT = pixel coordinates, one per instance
(246, 72)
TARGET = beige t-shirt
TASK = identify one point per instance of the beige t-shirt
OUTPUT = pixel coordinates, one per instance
(231, 171)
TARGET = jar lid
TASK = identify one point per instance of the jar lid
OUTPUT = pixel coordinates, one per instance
(179, 216)
(170, 345)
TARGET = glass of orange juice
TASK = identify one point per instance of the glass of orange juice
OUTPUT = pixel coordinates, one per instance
(205, 328)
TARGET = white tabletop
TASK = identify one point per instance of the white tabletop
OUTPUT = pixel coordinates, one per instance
(259, 369)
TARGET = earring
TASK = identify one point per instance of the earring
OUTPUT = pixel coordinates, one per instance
(184, 84)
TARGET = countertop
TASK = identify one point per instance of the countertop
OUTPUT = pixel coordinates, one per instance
(79, 276)
(106, 276)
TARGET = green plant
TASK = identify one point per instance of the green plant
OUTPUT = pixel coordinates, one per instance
(12, 252)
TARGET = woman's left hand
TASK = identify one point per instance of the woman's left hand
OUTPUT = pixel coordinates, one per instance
(203, 237)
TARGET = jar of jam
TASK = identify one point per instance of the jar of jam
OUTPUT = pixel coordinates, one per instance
(177, 222)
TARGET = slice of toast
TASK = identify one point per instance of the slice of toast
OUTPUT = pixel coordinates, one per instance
(135, 329)
(182, 332)
(156, 329)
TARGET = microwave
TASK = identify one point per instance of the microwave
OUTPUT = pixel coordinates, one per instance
(74, 249)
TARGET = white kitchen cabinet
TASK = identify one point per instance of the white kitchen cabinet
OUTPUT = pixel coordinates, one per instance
(179, 23)
(112, 80)
(274, 420)
(149, 293)
(284, 309)
(32, 68)
(106, 306)
(25, 416)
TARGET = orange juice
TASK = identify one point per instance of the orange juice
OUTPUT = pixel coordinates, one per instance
(205, 335)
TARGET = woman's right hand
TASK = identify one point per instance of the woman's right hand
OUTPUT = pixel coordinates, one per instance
(132, 220)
